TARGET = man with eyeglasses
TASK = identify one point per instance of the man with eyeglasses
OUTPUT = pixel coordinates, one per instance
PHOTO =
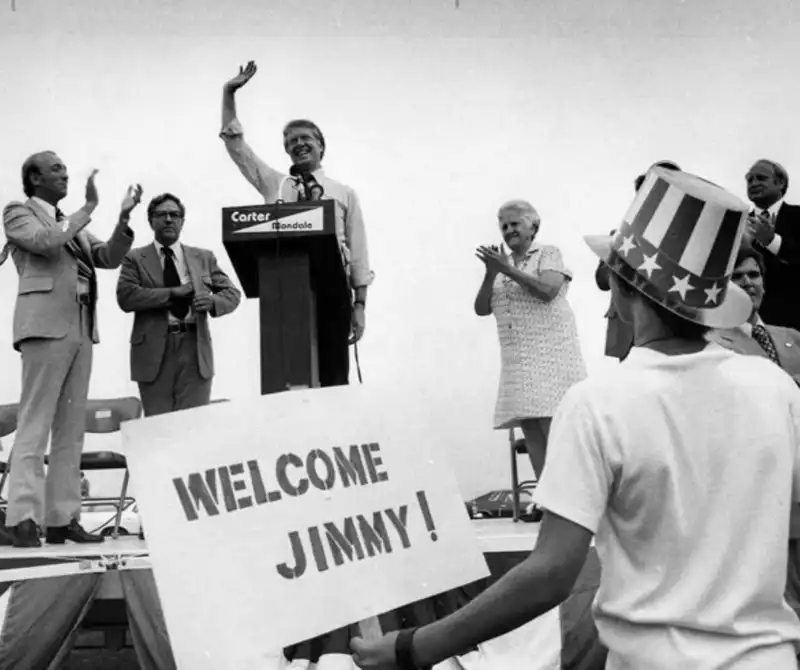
(172, 289)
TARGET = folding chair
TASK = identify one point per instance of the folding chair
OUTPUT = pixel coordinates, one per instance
(8, 424)
(102, 416)
(517, 447)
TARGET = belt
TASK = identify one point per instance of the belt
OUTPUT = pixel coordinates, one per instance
(181, 328)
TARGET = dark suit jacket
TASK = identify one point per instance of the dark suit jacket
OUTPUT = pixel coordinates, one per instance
(619, 335)
(781, 305)
(141, 290)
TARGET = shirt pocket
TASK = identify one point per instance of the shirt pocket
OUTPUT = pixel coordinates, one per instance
(35, 284)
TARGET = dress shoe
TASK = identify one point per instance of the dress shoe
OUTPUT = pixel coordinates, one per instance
(25, 534)
(74, 531)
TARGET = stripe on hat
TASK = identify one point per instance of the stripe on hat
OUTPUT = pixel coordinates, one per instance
(655, 230)
(686, 217)
(722, 259)
(643, 206)
(701, 241)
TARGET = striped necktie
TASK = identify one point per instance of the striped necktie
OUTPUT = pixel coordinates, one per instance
(85, 268)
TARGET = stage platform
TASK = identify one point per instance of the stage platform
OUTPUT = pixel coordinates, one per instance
(130, 553)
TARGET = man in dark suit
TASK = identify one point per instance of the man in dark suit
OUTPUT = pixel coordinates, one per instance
(774, 228)
(619, 335)
(172, 288)
(55, 329)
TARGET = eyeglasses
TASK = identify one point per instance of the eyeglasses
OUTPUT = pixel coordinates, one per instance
(164, 215)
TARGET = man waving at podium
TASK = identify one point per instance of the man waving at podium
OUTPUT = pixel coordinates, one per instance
(305, 145)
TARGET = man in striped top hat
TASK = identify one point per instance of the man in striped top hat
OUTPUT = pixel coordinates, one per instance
(682, 466)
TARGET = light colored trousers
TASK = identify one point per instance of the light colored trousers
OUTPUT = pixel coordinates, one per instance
(55, 387)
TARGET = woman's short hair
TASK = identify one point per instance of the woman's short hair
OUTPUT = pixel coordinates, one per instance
(524, 209)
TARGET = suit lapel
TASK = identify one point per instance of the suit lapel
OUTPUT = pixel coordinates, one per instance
(784, 347)
(41, 214)
(194, 267)
(81, 240)
(152, 264)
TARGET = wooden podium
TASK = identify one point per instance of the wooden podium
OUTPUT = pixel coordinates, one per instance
(287, 255)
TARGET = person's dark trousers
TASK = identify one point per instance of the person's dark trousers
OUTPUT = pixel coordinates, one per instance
(333, 333)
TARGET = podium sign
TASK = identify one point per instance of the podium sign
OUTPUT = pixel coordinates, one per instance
(287, 255)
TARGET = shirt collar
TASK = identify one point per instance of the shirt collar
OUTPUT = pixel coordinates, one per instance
(772, 209)
(176, 248)
(747, 327)
(46, 206)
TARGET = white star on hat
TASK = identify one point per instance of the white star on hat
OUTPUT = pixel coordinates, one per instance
(649, 265)
(712, 293)
(681, 286)
(627, 245)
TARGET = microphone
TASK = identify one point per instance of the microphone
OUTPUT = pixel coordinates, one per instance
(309, 187)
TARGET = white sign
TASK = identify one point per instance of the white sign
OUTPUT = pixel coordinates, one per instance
(305, 221)
(278, 519)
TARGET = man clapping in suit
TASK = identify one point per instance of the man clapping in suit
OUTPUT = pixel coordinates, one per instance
(55, 327)
(172, 288)
(774, 228)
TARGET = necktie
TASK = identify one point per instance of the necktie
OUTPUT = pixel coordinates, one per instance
(761, 335)
(180, 306)
(84, 264)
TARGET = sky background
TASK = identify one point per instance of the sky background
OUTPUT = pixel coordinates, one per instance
(434, 114)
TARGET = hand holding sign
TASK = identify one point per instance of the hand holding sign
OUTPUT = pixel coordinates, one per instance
(378, 653)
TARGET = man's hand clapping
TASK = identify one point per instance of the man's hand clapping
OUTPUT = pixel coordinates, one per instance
(493, 258)
(92, 198)
(761, 228)
(132, 198)
(245, 74)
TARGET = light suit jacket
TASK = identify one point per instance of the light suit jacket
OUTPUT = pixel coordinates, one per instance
(48, 272)
(141, 290)
(787, 342)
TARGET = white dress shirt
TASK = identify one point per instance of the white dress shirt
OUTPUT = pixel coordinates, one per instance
(747, 327)
(183, 274)
(350, 229)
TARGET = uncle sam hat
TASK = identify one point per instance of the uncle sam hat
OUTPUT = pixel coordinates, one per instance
(677, 244)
